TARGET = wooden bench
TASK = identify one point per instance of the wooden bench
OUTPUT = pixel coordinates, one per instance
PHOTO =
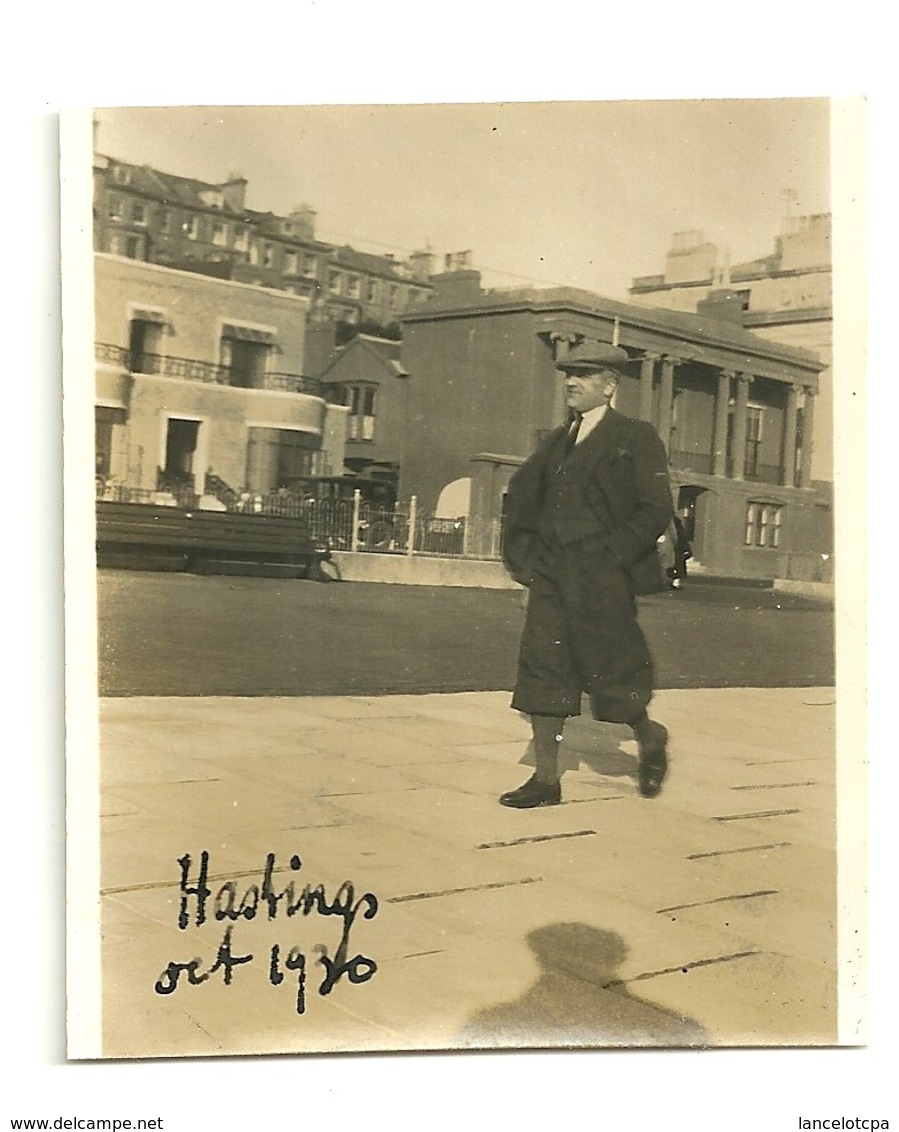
(146, 537)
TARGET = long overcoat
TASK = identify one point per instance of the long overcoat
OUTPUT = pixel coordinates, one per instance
(581, 531)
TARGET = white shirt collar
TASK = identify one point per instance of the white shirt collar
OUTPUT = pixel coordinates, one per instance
(589, 421)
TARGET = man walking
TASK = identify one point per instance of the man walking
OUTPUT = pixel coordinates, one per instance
(583, 515)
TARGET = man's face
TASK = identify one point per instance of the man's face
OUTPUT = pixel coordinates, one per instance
(585, 391)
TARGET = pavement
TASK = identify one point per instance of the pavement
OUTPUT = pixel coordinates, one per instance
(425, 916)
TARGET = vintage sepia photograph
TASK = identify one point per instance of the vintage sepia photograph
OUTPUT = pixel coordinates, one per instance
(460, 574)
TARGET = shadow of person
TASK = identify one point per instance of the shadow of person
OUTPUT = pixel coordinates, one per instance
(580, 1000)
(596, 746)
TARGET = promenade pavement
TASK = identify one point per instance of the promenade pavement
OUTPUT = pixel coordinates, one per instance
(706, 916)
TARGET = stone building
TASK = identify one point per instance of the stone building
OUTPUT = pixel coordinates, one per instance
(369, 379)
(146, 214)
(199, 384)
(734, 410)
(784, 296)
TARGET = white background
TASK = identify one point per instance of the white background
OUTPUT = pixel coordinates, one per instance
(104, 54)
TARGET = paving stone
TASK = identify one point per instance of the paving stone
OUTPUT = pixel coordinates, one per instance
(608, 920)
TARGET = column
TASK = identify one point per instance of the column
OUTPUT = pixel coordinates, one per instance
(647, 374)
(808, 420)
(739, 441)
(719, 437)
(788, 456)
(666, 399)
(561, 344)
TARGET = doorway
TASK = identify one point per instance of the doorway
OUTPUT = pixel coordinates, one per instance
(181, 443)
(144, 346)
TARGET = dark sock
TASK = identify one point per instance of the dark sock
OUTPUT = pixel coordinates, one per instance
(642, 728)
(547, 732)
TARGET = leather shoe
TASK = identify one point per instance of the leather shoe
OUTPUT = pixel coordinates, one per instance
(533, 793)
(653, 762)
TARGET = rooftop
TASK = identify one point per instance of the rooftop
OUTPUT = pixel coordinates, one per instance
(701, 329)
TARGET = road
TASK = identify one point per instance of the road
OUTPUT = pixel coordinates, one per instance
(181, 635)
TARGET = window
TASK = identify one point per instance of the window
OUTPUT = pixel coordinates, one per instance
(360, 400)
(354, 286)
(395, 297)
(115, 208)
(138, 213)
(763, 522)
(245, 355)
(105, 420)
(190, 227)
(145, 342)
(753, 439)
(134, 246)
(241, 239)
(743, 296)
(279, 457)
(268, 255)
(219, 234)
(335, 282)
(290, 263)
(214, 198)
(371, 292)
(165, 221)
(309, 266)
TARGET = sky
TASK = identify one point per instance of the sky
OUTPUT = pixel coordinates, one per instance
(584, 194)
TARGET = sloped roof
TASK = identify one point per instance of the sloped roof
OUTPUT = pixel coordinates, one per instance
(174, 189)
(169, 187)
(374, 265)
(270, 224)
(385, 352)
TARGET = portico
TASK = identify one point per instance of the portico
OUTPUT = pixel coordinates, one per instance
(734, 410)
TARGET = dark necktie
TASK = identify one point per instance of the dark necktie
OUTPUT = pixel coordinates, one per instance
(571, 438)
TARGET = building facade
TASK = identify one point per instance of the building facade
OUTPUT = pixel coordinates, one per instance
(145, 214)
(734, 410)
(785, 296)
(368, 378)
(199, 385)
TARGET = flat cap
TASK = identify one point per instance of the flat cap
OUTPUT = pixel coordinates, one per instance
(593, 356)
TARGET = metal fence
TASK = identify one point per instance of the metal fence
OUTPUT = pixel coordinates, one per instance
(343, 524)
(355, 525)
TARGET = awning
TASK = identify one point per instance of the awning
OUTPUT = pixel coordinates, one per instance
(248, 334)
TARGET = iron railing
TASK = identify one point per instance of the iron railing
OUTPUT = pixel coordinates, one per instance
(701, 462)
(192, 369)
(353, 525)
(343, 524)
(763, 473)
(704, 464)
(760, 473)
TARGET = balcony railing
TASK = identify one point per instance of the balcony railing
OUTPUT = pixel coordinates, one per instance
(701, 462)
(763, 473)
(190, 369)
(757, 473)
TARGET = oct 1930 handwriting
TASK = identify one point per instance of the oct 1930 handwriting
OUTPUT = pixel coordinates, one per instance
(199, 903)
